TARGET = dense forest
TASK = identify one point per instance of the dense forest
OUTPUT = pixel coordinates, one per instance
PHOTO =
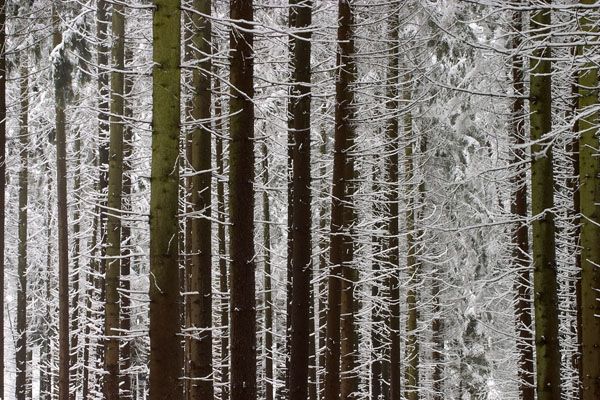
(299, 199)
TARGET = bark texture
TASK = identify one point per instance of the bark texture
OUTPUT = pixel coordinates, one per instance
(340, 236)
(301, 198)
(542, 203)
(241, 203)
(589, 189)
(112, 310)
(200, 358)
(165, 343)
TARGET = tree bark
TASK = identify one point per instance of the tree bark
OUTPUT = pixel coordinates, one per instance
(341, 240)
(221, 235)
(267, 279)
(392, 165)
(60, 90)
(589, 181)
(165, 344)
(301, 198)
(323, 264)
(125, 295)
(113, 226)
(520, 236)
(22, 349)
(241, 203)
(3, 72)
(542, 199)
(412, 261)
(200, 366)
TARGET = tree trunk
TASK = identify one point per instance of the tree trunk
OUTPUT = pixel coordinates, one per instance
(392, 164)
(542, 199)
(267, 280)
(301, 198)
(520, 236)
(102, 69)
(340, 238)
(125, 294)
(165, 345)
(241, 203)
(75, 332)
(200, 367)
(22, 349)
(290, 208)
(60, 90)
(2, 178)
(113, 225)
(412, 261)
(589, 181)
(323, 267)
(46, 375)
(221, 235)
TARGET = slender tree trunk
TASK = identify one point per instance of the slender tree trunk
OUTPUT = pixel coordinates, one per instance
(102, 24)
(377, 292)
(102, 52)
(341, 241)
(113, 227)
(520, 237)
(3, 73)
(60, 90)
(437, 327)
(290, 207)
(125, 295)
(267, 280)
(312, 350)
(589, 181)
(412, 261)
(241, 203)
(200, 366)
(46, 385)
(323, 267)
(165, 344)
(301, 198)
(392, 164)
(75, 332)
(542, 199)
(221, 235)
(22, 349)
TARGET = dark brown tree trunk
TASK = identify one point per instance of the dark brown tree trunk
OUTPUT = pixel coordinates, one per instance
(241, 203)
(267, 279)
(392, 165)
(323, 263)
(75, 332)
(102, 51)
(412, 262)
(125, 294)
(2, 176)
(341, 240)
(46, 386)
(60, 90)
(200, 366)
(113, 226)
(589, 189)
(165, 300)
(290, 209)
(378, 312)
(102, 24)
(437, 326)
(22, 350)
(520, 238)
(221, 235)
(548, 358)
(301, 198)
